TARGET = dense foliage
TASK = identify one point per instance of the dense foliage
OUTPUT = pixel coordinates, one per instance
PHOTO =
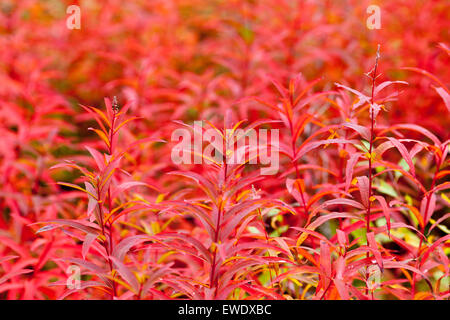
(359, 208)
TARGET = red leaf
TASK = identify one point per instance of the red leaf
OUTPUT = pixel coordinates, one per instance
(405, 154)
(341, 201)
(98, 157)
(430, 209)
(83, 285)
(88, 240)
(121, 249)
(363, 184)
(417, 128)
(325, 263)
(127, 185)
(342, 238)
(126, 274)
(363, 99)
(363, 131)
(44, 255)
(385, 84)
(204, 183)
(7, 258)
(374, 246)
(312, 145)
(386, 212)
(339, 279)
(433, 246)
(92, 202)
(444, 95)
(438, 221)
(349, 169)
(86, 227)
(12, 274)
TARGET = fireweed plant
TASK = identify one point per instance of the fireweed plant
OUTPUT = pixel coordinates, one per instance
(93, 205)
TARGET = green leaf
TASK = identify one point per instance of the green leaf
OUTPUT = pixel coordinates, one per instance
(387, 189)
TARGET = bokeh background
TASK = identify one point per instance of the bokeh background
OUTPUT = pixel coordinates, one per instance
(179, 60)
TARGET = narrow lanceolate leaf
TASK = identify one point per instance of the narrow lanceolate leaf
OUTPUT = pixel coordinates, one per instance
(403, 265)
(315, 144)
(14, 274)
(82, 285)
(382, 148)
(281, 90)
(296, 189)
(339, 280)
(204, 183)
(130, 184)
(342, 238)
(425, 73)
(44, 256)
(257, 245)
(440, 226)
(363, 99)
(433, 247)
(444, 95)
(48, 228)
(98, 112)
(88, 240)
(351, 163)
(98, 157)
(76, 187)
(126, 274)
(306, 89)
(413, 210)
(309, 231)
(125, 122)
(186, 239)
(92, 202)
(240, 211)
(88, 228)
(197, 211)
(342, 201)
(311, 98)
(133, 145)
(121, 249)
(238, 266)
(385, 84)
(374, 246)
(442, 186)
(414, 127)
(7, 258)
(386, 212)
(427, 207)
(102, 136)
(267, 104)
(325, 263)
(88, 265)
(155, 276)
(363, 131)
(70, 164)
(405, 154)
(322, 219)
(234, 221)
(363, 185)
